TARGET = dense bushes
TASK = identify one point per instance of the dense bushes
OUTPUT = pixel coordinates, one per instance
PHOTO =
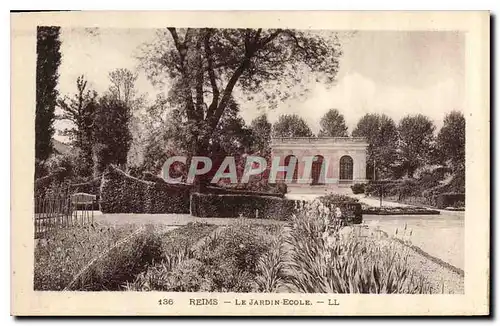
(121, 193)
(449, 199)
(358, 188)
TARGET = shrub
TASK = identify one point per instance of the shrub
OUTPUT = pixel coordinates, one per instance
(449, 199)
(350, 207)
(358, 188)
(121, 193)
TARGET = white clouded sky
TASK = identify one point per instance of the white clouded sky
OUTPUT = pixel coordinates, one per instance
(396, 73)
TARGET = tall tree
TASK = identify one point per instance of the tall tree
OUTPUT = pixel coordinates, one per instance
(111, 136)
(382, 136)
(291, 125)
(205, 66)
(451, 140)
(416, 140)
(122, 85)
(80, 111)
(123, 88)
(47, 63)
(333, 125)
(261, 130)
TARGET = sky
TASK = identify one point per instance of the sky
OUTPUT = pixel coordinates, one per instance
(396, 73)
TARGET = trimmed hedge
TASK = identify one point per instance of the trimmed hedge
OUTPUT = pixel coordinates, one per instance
(234, 205)
(251, 206)
(229, 191)
(121, 193)
(449, 199)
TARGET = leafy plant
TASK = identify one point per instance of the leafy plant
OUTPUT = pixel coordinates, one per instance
(341, 261)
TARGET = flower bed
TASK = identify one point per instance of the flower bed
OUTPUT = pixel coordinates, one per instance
(104, 258)
(399, 210)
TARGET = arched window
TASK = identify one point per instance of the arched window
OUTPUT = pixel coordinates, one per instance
(346, 167)
(316, 170)
(295, 171)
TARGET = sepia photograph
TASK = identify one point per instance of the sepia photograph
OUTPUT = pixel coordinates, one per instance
(250, 160)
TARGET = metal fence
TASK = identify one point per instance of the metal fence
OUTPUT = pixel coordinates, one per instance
(62, 209)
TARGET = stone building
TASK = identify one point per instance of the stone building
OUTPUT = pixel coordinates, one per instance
(321, 164)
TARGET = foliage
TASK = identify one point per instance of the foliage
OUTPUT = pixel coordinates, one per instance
(333, 125)
(271, 273)
(449, 199)
(122, 86)
(68, 252)
(121, 193)
(261, 133)
(291, 125)
(342, 261)
(225, 261)
(205, 66)
(451, 140)
(80, 110)
(112, 136)
(358, 188)
(416, 140)
(382, 136)
(48, 60)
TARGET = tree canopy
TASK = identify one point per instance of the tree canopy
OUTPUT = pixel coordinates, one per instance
(333, 125)
(291, 125)
(48, 59)
(451, 140)
(416, 140)
(382, 136)
(205, 66)
(261, 131)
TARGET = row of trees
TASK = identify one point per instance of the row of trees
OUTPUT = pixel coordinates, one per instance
(393, 148)
(200, 116)
(99, 125)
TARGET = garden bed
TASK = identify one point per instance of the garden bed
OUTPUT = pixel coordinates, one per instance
(399, 210)
(105, 258)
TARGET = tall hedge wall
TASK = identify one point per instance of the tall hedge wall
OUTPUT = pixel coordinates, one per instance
(449, 199)
(234, 205)
(251, 206)
(121, 193)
